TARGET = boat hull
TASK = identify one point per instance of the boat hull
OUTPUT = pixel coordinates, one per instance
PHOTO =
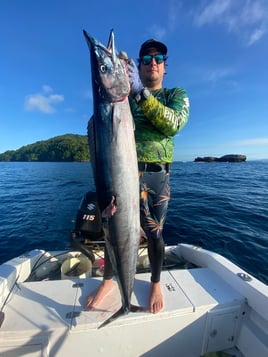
(209, 304)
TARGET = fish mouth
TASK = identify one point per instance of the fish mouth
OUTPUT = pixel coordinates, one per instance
(97, 46)
(108, 71)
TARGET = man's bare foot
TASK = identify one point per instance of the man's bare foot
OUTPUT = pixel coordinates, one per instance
(94, 300)
(156, 302)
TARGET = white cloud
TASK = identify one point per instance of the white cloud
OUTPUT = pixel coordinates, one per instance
(247, 19)
(212, 12)
(174, 9)
(88, 94)
(43, 102)
(69, 110)
(214, 76)
(158, 32)
(219, 73)
(251, 142)
(172, 13)
(46, 88)
(255, 36)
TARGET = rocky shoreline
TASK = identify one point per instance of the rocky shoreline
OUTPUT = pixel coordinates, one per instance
(225, 158)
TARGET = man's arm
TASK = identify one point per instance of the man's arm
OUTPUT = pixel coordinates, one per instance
(171, 118)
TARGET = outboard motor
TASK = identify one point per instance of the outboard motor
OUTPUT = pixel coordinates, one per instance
(88, 218)
(88, 232)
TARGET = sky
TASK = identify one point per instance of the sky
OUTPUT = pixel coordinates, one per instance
(217, 52)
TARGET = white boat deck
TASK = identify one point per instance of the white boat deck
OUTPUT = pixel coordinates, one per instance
(48, 318)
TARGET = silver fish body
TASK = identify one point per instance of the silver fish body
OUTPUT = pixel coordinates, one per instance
(114, 162)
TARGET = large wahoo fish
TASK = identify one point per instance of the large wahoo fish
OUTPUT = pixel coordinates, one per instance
(114, 162)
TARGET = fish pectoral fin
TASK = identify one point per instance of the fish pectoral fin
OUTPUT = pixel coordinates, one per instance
(110, 210)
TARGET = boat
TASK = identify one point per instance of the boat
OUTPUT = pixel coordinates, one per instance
(212, 307)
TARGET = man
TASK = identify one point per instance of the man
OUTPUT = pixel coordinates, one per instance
(159, 113)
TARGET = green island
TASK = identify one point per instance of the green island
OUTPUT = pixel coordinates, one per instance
(64, 148)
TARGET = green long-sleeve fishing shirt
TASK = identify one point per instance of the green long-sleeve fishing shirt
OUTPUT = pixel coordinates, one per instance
(157, 120)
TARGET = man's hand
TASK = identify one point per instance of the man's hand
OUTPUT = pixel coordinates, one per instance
(123, 55)
(134, 78)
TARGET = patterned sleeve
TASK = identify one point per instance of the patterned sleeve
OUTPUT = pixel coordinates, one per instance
(169, 118)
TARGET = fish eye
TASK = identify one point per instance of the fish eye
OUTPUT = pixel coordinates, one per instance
(103, 68)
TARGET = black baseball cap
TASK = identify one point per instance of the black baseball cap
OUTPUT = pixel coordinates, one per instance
(152, 44)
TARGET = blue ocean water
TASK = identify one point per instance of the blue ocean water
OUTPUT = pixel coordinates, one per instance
(222, 207)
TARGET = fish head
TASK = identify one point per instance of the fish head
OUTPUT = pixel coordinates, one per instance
(109, 72)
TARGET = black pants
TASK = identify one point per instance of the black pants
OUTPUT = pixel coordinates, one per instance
(154, 197)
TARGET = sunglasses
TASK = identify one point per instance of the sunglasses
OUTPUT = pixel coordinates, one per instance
(147, 59)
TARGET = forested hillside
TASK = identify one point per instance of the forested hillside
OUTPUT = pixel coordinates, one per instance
(66, 148)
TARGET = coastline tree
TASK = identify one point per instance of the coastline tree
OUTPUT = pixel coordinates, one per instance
(64, 148)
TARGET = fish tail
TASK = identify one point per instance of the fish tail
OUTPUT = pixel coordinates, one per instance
(123, 311)
(2, 317)
(118, 313)
(136, 308)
